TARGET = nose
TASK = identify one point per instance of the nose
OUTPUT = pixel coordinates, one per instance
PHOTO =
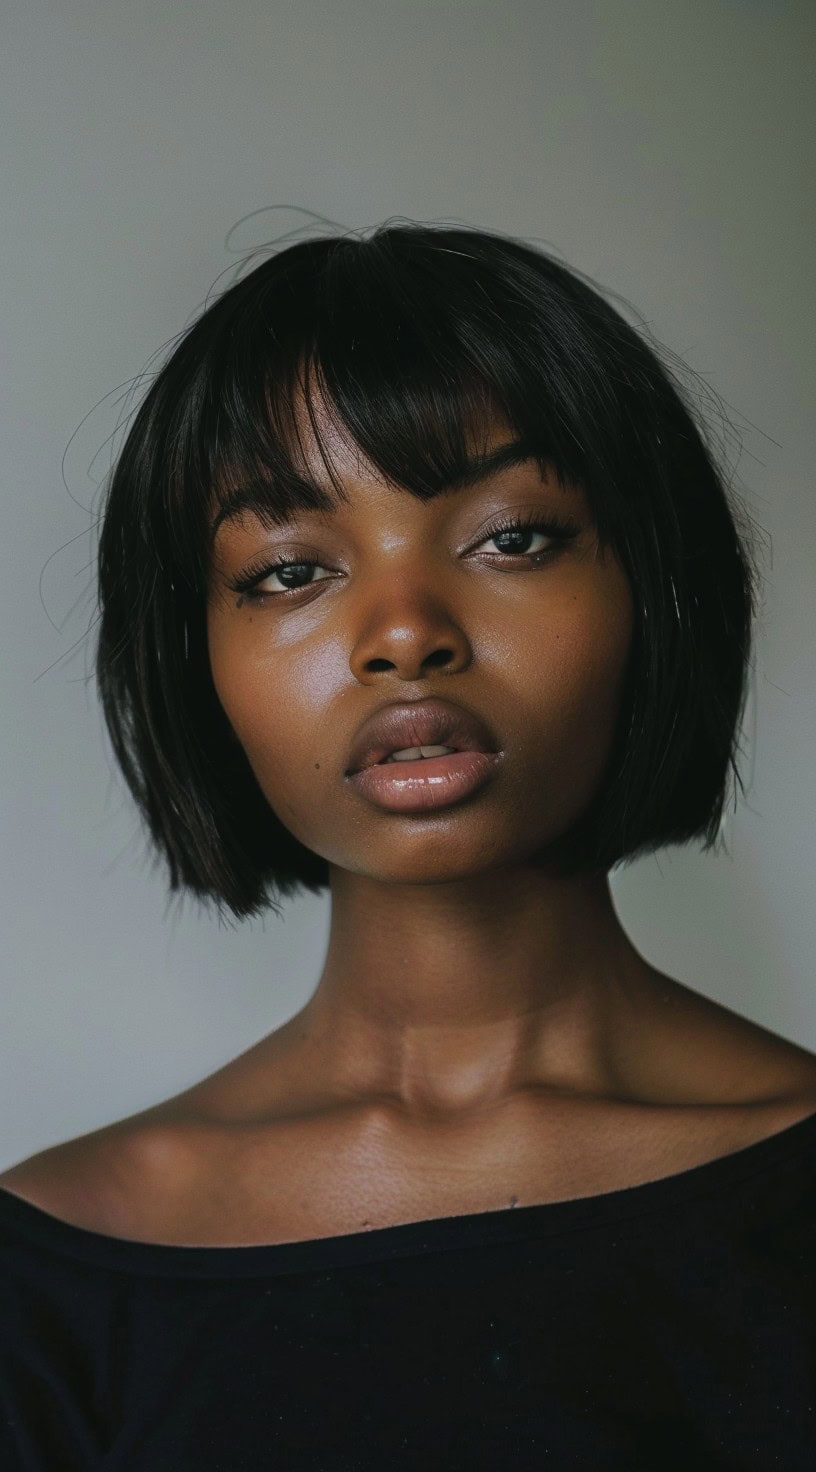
(409, 644)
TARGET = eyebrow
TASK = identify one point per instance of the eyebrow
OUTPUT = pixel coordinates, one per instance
(255, 496)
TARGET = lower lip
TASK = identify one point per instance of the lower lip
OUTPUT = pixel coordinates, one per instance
(429, 782)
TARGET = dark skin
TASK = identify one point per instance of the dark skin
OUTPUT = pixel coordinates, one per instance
(484, 1034)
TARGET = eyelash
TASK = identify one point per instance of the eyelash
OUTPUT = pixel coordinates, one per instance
(561, 531)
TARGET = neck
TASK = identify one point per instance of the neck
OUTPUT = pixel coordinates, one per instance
(455, 997)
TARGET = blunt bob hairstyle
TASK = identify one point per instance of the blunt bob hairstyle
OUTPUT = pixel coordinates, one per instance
(413, 333)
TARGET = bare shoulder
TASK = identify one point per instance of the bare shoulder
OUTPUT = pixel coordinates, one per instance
(691, 1048)
(112, 1180)
(190, 1170)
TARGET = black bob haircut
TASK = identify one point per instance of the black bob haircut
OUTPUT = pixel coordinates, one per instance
(414, 332)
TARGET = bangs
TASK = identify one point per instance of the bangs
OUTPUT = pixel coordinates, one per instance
(413, 352)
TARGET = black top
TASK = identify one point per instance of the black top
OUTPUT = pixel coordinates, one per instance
(670, 1325)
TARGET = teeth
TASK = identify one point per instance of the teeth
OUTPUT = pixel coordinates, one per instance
(412, 753)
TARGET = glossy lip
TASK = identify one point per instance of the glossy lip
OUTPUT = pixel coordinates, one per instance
(432, 722)
(427, 783)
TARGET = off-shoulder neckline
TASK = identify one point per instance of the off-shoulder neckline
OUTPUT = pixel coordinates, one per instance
(406, 1239)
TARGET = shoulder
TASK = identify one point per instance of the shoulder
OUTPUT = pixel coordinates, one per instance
(689, 1048)
(158, 1175)
(113, 1180)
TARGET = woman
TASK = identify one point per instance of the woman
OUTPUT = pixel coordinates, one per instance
(425, 500)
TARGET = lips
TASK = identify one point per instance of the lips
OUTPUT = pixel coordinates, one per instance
(420, 723)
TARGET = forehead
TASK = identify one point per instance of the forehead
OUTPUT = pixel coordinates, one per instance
(324, 446)
(318, 468)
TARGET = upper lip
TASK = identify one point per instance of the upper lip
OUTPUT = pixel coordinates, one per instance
(426, 723)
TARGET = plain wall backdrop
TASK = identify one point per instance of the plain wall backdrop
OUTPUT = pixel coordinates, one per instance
(665, 147)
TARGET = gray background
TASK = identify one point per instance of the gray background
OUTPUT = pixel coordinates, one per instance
(663, 146)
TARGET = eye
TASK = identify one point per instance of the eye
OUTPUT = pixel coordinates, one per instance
(519, 529)
(522, 528)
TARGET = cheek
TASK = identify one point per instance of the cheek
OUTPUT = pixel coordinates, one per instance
(572, 682)
(260, 711)
(274, 703)
(241, 677)
(590, 658)
(589, 683)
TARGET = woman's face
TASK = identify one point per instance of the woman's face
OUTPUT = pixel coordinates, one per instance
(411, 600)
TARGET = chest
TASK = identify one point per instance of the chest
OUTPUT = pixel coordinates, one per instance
(342, 1174)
